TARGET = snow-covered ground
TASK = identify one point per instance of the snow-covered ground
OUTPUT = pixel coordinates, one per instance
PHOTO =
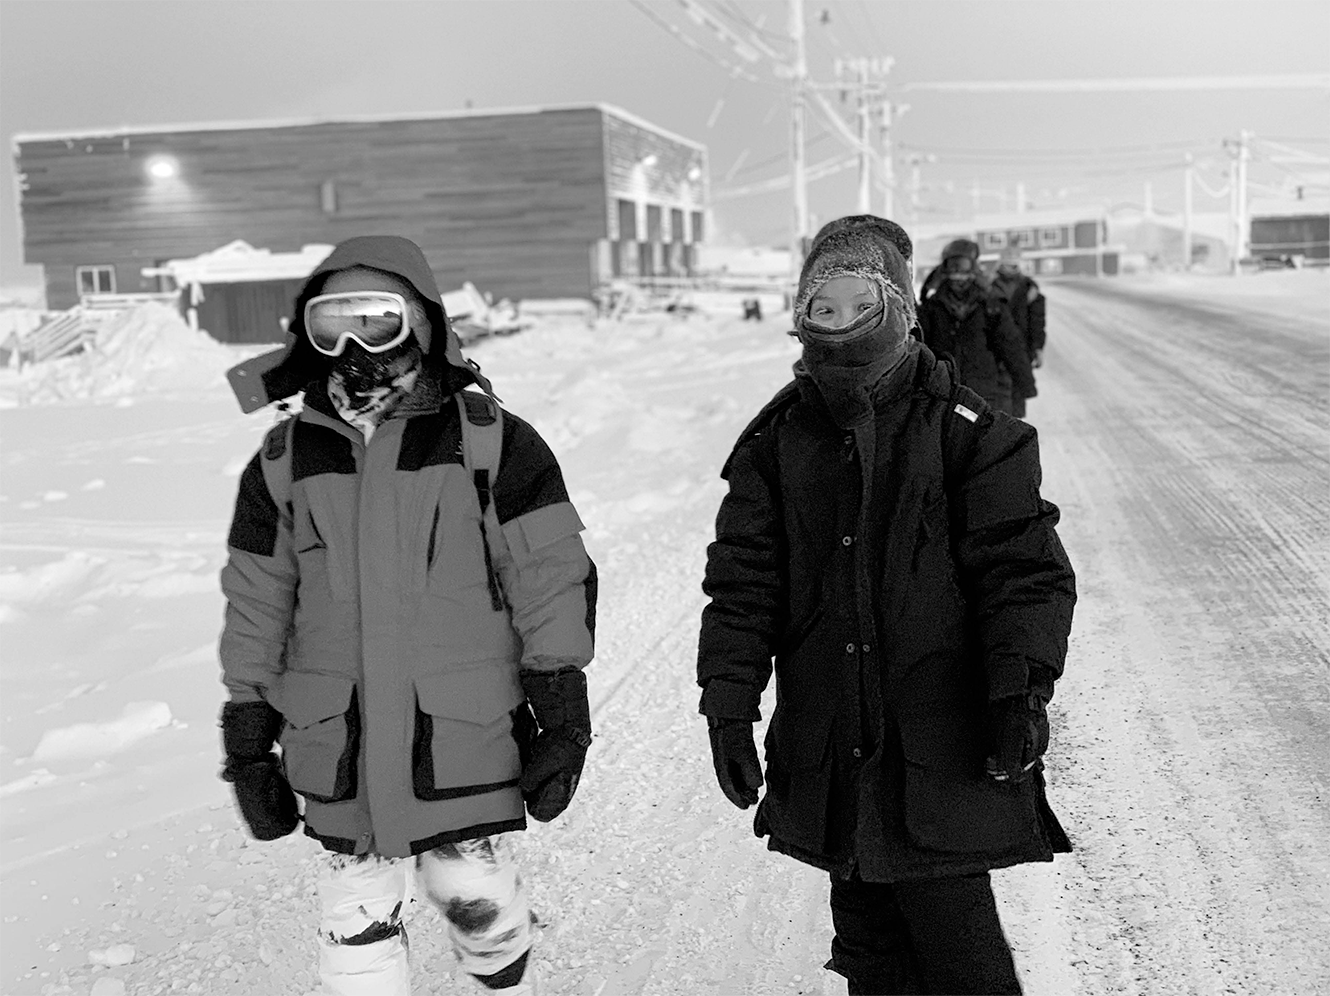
(1184, 428)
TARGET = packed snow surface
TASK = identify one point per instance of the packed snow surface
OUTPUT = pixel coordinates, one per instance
(1183, 425)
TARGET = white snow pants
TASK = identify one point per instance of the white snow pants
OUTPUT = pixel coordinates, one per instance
(474, 883)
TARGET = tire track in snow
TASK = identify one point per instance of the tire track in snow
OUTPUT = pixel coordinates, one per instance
(1193, 715)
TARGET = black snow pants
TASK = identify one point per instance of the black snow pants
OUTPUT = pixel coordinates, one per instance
(935, 936)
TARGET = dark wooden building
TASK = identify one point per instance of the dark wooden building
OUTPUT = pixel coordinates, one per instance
(1291, 229)
(1053, 242)
(539, 202)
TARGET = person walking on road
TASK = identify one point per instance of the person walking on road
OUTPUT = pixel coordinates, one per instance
(884, 540)
(409, 610)
(965, 320)
(1026, 303)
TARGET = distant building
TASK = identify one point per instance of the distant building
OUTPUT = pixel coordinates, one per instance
(537, 202)
(1054, 242)
(1287, 229)
(238, 293)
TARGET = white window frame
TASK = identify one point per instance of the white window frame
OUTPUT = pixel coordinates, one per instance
(1051, 237)
(995, 240)
(1025, 238)
(96, 270)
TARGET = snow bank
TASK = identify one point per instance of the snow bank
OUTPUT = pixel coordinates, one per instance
(149, 349)
(47, 581)
(138, 721)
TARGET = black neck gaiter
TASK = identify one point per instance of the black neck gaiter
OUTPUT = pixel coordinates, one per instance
(847, 363)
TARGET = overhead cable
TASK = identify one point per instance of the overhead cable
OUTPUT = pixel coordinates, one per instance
(736, 71)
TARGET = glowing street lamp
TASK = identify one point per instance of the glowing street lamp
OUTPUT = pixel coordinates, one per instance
(162, 167)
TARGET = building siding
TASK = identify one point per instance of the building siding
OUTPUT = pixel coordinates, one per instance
(515, 203)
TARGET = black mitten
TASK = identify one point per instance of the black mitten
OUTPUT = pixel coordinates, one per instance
(1018, 728)
(265, 799)
(559, 702)
(734, 756)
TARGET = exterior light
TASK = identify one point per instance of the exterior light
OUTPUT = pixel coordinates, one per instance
(650, 160)
(162, 168)
(695, 173)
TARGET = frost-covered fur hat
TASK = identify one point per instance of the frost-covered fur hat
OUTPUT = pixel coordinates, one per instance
(882, 228)
(857, 251)
(961, 247)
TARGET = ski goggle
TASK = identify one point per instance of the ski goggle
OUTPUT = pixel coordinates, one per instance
(377, 320)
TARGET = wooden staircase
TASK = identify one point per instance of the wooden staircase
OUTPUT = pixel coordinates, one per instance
(63, 333)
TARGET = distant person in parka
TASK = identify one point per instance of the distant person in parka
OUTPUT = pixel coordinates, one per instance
(406, 587)
(970, 323)
(1026, 303)
(884, 540)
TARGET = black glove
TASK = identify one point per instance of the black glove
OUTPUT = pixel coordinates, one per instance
(734, 756)
(249, 729)
(1018, 727)
(559, 701)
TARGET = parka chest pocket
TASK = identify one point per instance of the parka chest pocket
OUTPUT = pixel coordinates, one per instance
(465, 742)
(321, 735)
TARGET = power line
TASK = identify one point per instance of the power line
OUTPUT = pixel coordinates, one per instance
(736, 14)
(781, 156)
(1114, 84)
(735, 71)
(1037, 154)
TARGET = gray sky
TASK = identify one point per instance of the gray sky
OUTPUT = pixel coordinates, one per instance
(84, 65)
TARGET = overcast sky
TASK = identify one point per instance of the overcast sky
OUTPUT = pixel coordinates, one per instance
(88, 65)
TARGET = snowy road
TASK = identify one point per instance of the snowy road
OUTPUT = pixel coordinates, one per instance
(1185, 436)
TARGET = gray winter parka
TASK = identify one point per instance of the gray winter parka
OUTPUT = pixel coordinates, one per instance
(371, 613)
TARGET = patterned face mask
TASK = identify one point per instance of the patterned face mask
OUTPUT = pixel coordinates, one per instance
(365, 387)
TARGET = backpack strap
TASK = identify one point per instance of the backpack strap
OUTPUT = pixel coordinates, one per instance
(482, 448)
(275, 461)
(960, 436)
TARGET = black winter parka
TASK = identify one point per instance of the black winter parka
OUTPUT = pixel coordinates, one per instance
(1028, 307)
(986, 344)
(891, 625)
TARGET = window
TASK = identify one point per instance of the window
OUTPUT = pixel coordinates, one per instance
(653, 223)
(95, 279)
(995, 240)
(627, 221)
(1025, 238)
(676, 225)
(1050, 236)
(696, 223)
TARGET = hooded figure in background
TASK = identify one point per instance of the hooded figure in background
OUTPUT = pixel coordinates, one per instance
(411, 633)
(937, 275)
(965, 320)
(1026, 303)
(884, 541)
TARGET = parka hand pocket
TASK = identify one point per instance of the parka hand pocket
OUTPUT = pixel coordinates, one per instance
(321, 734)
(948, 812)
(466, 736)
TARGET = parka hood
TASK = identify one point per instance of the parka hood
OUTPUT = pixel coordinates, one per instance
(281, 373)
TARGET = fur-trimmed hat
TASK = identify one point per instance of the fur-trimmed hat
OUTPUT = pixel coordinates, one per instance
(961, 247)
(882, 228)
(857, 251)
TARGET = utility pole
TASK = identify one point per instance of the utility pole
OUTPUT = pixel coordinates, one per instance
(864, 204)
(1020, 197)
(1241, 244)
(887, 111)
(1188, 176)
(798, 173)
